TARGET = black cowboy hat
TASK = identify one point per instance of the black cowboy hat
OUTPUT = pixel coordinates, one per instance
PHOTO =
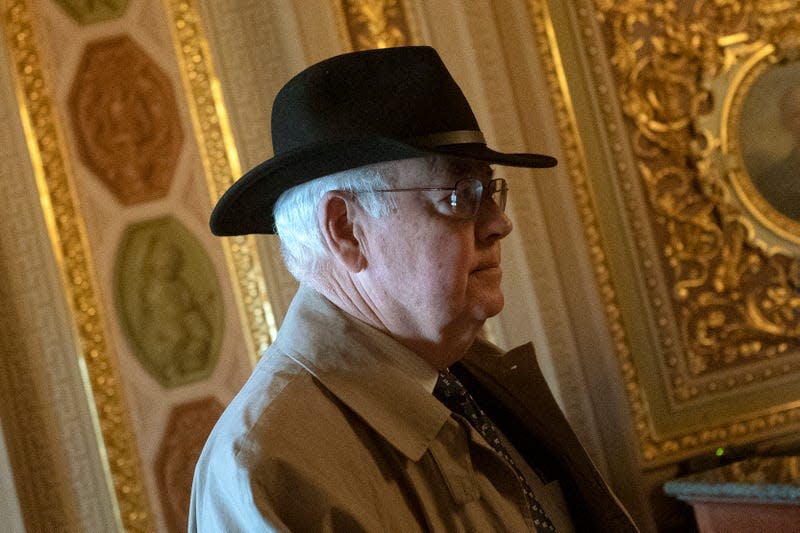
(353, 110)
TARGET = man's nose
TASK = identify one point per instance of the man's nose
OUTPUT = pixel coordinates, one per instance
(492, 223)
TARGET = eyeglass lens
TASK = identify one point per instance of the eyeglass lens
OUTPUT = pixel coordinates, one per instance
(467, 195)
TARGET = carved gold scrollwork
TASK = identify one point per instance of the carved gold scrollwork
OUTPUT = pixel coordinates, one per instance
(375, 23)
(685, 70)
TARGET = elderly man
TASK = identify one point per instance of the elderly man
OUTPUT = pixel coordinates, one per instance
(357, 418)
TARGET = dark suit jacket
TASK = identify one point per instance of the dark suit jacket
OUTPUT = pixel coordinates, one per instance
(515, 395)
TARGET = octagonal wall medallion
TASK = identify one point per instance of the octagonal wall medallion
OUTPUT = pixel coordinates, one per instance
(169, 302)
(125, 120)
(186, 432)
(90, 11)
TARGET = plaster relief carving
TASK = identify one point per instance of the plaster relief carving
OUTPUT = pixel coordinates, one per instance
(187, 430)
(126, 121)
(90, 11)
(169, 301)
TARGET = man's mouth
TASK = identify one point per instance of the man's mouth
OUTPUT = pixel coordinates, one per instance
(487, 266)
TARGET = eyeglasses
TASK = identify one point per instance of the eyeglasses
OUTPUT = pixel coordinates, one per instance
(467, 194)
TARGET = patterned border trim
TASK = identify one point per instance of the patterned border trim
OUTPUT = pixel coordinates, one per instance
(221, 163)
(66, 227)
(576, 164)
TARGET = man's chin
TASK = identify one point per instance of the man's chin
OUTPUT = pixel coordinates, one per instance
(489, 306)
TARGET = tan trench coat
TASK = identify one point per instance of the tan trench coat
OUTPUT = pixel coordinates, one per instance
(332, 433)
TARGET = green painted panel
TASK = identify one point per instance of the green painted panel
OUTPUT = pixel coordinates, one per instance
(91, 11)
(168, 299)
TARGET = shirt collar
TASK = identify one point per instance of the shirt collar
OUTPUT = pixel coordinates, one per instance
(385, 383)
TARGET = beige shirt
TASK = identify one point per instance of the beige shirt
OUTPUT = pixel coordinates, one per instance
(334, 431)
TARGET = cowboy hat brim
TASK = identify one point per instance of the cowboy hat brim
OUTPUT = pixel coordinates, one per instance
(247, 206)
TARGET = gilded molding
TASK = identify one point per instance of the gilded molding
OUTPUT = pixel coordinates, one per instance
(67, 233)
(715, 266)
(370, 24)
(575, 161)
(221, 163)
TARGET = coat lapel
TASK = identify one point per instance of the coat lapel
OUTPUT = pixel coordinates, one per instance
(512, 390)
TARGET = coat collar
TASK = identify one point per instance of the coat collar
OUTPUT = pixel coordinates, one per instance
(372, 374)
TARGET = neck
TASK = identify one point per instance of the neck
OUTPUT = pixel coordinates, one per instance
(440, 354)
(440, 348)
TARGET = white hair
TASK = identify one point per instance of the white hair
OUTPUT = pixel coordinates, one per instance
(295, 212)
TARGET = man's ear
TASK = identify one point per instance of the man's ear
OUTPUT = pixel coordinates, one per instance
(336, 213)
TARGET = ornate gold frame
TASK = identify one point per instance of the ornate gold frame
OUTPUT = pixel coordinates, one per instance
(733, 298)
(748, 61)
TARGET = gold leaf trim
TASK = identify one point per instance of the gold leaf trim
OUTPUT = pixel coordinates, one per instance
(367, 24)
(66, 228)
(221, 163)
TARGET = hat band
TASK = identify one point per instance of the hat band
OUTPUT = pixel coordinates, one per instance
(447, 138)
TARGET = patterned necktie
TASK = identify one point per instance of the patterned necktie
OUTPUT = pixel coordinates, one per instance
(454, 395)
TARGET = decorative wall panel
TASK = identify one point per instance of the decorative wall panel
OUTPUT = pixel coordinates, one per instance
(169, 301)
(186, 431)
(55, 181)
(90, 11)
(696, 80)
(126, 120)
